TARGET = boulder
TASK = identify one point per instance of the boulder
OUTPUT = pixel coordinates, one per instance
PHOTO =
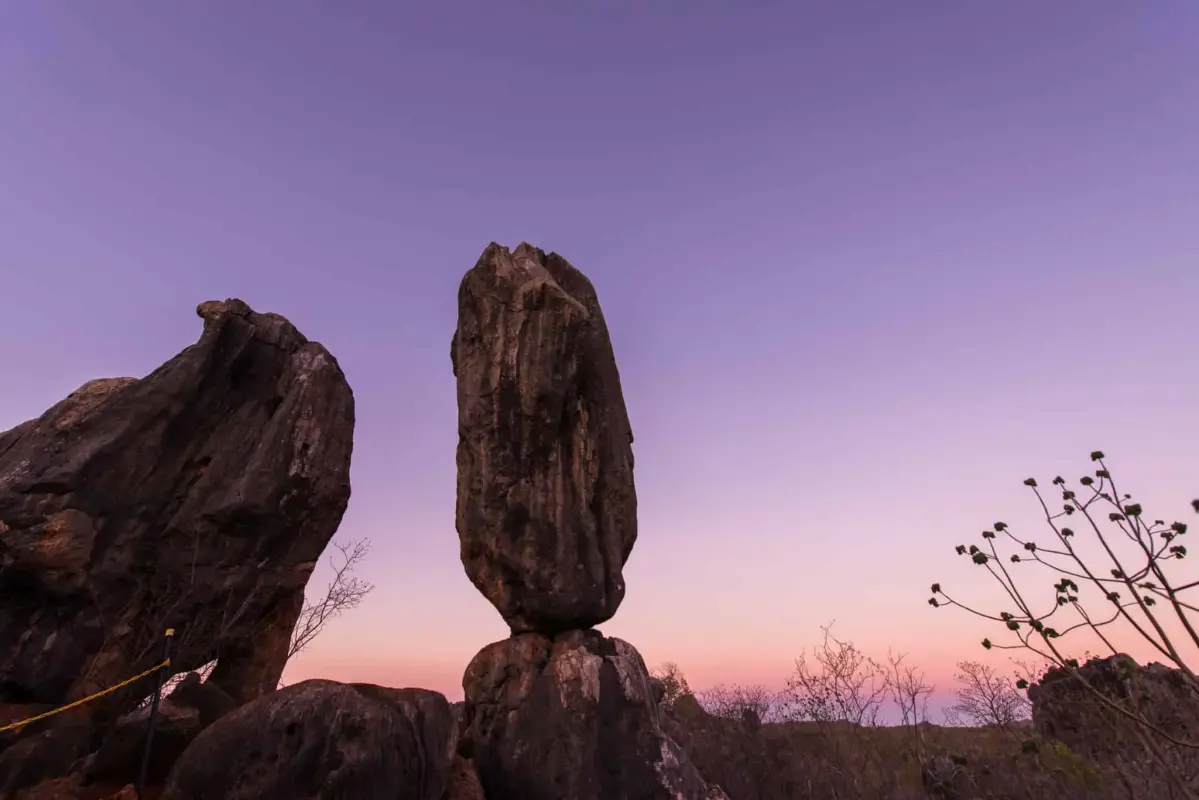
(547, 510)
(321, 739)
(657, 688)
(570, 716)
(45, 750)
(1166, 698)
(1063, 708)
(72, 789)
(463, 782)
(191, 707)
(208, 700)
(197, 498)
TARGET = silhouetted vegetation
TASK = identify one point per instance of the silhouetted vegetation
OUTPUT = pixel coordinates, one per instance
(1054, 728)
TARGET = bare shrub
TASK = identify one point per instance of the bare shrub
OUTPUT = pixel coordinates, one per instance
(910, 692)
(840, 691)
(751, 703)
(837, 683)
(984, 697)
(908, 689)
(674, 682)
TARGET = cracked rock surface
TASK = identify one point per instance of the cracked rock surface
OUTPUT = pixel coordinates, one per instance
(547, 509)
(197, 498)
(571, 716)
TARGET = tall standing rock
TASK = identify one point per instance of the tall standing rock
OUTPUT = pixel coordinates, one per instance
(199, 498)
(547, 510)
(547, 517)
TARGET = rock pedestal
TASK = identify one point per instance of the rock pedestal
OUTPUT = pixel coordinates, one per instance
(571, 716)
(547, 518)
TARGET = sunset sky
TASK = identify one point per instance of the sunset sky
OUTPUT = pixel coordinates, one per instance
(866, 265)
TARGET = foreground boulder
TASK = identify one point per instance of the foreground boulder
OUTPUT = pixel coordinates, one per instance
(318, 740)
(189, 709)
(197, 498)
(547, 511)
(42, 754)
(570, 717)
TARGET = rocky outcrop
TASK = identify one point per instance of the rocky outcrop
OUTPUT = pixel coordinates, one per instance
(547, 510)
(570, 716)
(547, 518)
(320, 739)
(1065, 709)
(1166, 700)
(197, 498)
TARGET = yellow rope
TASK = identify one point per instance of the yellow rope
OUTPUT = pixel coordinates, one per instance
(78, 703)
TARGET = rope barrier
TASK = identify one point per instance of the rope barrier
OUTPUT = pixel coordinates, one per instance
(13, 726)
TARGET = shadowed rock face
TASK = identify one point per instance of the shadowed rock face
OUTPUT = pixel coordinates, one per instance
(1065, 709)
(320, 739)
(547, 510)
(191, 707)
(573, 716)
(198, 498)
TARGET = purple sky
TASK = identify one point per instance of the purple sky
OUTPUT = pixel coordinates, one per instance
(866, 266)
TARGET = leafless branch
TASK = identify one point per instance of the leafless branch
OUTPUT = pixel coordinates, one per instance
(345, 591)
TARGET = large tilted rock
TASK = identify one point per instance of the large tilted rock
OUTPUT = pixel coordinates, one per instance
(198, 498)
(571, 717)
(321, 739)
(546, 505)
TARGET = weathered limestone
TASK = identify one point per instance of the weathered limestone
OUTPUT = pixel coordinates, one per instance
(197, 498)
(547, 518)
(547, 510)
(321, 739)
